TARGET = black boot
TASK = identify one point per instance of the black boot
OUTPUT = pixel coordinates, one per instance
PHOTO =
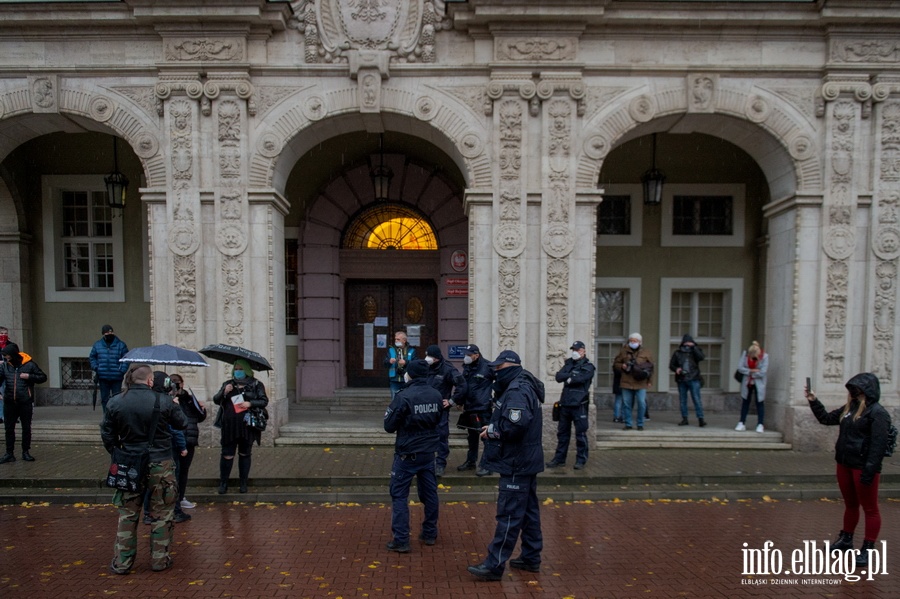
(702, 422)
(862, 560)
(244, 471)
(843, 542)
(224, 472)
(684, 422)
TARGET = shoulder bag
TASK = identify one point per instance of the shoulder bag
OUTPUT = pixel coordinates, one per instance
(129, 468)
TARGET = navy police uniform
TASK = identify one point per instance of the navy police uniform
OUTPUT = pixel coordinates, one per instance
(444, 377)
(576, 376)
(513, 449)
(414, 415)
(477, 400)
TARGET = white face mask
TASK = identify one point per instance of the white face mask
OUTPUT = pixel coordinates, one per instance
(430, 360)
(406, 377)
(576, 355)
(398, 343)
(634, 345)
(467, 360)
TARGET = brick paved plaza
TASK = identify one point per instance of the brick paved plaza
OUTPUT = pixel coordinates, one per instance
(609, 549)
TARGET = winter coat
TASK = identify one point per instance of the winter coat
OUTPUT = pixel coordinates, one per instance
(758, 378)
(105, 359)
(443, 376)
(231, 422)
(576, 376)
(17, 389)
(626, 357)
(861, 442)
(194, 418)
(127, 420)
(395, 371)
(513, 444)
(687, 358)
(479, 381)
(414, 414)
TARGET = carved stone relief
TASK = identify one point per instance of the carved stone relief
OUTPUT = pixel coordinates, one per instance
(205, 49)
(536, 49)
(701, 92)
(145, 97)
(44, 93)
(880, 51)
(509, 238)
(369, 91)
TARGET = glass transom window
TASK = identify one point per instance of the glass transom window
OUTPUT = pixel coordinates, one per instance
(390, 227)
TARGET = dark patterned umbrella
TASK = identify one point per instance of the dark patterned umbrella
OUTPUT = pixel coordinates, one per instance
(164, 354)
(230, 353)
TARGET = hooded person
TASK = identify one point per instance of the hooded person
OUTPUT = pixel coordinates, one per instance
(414, 415)
(859, 450)
(685, 363)
(104, 357)
(448, 381)
(237, 395)
(19, 374)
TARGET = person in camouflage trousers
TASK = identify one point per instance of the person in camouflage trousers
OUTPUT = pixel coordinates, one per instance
(127, 423)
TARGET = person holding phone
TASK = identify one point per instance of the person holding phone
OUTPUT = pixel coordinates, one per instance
(859, 450)
(754, 365)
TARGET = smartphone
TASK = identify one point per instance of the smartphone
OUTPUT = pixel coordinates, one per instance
(808, 385)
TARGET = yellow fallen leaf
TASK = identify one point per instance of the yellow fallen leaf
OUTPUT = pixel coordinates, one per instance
(327, 449)
(548, 501)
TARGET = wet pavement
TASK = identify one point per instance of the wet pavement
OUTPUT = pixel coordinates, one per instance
(614, 549)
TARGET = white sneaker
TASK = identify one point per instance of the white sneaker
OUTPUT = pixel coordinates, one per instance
(760, 428)
(740, 427)
(187, 505)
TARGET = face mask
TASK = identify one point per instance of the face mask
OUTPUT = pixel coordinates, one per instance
(467, 360)
(576, 356)
(634, 345)
(406, 378)
(430, 360)
(109, 336)
(239, 374)
(398, 343)
(4, 338)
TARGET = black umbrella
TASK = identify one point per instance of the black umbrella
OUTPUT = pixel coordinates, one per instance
(230, 353)
(164, 354)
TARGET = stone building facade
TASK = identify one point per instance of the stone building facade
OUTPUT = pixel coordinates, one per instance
(251, 132)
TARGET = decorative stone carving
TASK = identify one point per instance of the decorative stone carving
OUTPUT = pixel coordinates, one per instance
(886, 243)
(800, 147)
(801, 98)
(758, 109)
(204, 49)
(44, 93)
(233, 300)
(890, 142)
(558, 241)
(509, 240)
(101, 109)
(536, 49)
(701, 92)
(404, 29)
(146, 145)
(879, 51)
(509, 237)
(269, 145)
(596, 146)
(473, 96)
(839, 243)
(471, 145)
(642, 108)
(314, 108)
(369, 91)
(425, 108)
(508, 313)
(267, 97)
(185, 273)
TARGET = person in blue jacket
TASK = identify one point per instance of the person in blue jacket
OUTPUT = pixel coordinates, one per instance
(105, 355)
(576, 375)
(414, 415)
(398, 356)
(513, 449)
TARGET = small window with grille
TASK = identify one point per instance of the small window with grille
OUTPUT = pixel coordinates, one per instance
(614, 215)
(76, 373)
(702, 215)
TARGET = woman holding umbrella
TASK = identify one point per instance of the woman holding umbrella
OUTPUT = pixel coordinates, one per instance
(237, 395)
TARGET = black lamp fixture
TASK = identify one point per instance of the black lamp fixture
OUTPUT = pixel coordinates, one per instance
(381, 175)
(116, 183)
(652, 181)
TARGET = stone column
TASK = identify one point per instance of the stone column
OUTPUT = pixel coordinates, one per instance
(478, 206)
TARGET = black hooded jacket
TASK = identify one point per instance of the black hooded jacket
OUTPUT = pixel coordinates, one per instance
(861, 442)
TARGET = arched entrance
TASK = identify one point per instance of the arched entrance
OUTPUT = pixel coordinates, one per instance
(368, 267)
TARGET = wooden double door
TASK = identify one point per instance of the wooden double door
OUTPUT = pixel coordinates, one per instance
(374, 311)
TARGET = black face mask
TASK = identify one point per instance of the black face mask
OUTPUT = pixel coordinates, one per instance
(503, 377)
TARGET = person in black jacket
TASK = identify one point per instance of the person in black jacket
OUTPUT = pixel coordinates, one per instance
(476, 403)
(577, 374)
(414, 415)
(237, 395)
(444, 377)
(20, 374)
(195, 412)
(127, 424)
(685, 363)
(859, 450)
(513, 448)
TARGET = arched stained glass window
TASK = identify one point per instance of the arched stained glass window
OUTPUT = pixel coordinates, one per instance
(390, 226)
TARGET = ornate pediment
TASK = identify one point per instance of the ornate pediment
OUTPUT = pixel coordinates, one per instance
(403, 28)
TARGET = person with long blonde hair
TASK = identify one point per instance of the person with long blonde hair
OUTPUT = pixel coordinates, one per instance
(754, 365)
(859, 450)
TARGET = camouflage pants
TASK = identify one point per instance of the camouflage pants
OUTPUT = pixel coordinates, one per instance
(163, 491)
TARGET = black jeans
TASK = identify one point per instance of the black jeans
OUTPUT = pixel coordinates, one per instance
(22, 412)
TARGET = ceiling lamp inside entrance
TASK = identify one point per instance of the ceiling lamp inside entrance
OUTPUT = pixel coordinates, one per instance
(390, 227)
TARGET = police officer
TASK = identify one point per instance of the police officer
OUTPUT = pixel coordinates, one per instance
(444, 377)
(576, 376)
(414, 414)
(126, 423)
(477, 404)
(513, 448)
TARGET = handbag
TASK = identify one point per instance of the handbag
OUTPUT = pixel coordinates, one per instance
(556, 410)
(129, 468)
(257, 418)
(739, 376)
